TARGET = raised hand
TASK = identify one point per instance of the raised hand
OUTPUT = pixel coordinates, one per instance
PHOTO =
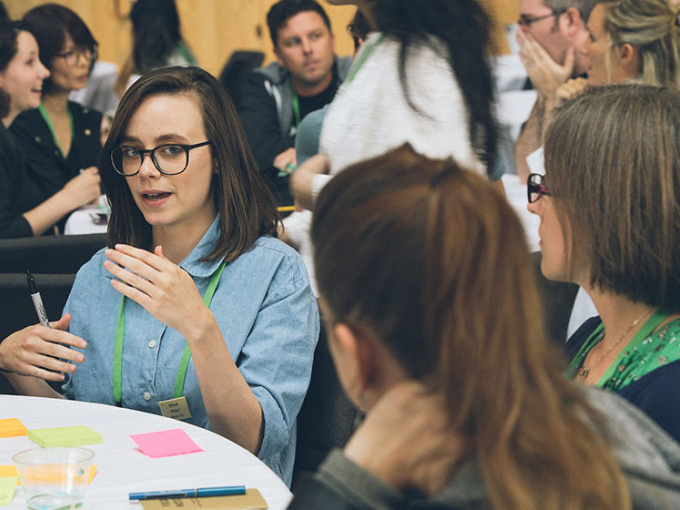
(37, 351)
(546, 75)
(164, 289)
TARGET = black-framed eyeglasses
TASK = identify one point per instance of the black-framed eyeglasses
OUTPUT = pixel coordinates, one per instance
(525, 21)
(72, 56)
(169, 159)
(535, 188)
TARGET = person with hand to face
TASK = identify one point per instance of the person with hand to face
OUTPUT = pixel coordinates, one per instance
(551, 36)
(609, 212)
(434, 325)
(26, 209)
(196, 303)
(60, 138)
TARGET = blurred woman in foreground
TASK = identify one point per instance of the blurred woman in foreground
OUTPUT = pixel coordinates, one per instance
(430, 305)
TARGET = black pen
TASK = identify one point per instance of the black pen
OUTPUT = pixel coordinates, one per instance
(37, 300)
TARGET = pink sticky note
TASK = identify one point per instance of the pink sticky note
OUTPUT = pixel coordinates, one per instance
(165, 443)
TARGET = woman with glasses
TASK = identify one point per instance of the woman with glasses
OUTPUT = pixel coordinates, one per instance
(609, 212)
(195, 310)
(60, 138)
(465, 405)
(25, 208)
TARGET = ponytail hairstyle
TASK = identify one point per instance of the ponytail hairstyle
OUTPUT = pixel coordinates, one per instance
(464, 29)
(432, 261)
(651, 26)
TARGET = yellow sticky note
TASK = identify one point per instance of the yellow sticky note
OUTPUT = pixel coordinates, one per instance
(12, 427)
(252, 499)
(10, 471)
(78, 435)
(7, 487)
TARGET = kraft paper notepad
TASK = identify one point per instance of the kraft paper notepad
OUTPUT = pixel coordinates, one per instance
(252, 499)
(7, 486)
(10, 471)
(78, 435)
(12, 427)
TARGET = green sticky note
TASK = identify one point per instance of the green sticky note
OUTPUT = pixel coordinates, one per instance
(7, 486)
(78, 435)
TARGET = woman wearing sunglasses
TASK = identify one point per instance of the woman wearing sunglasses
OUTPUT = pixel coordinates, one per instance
(466, 406)
(195, 311)
(609, 212)
(60, 138)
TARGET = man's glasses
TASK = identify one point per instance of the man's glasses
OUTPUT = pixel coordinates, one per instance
(72, 56)
(169, 159)
(535, 188)
(525, 21)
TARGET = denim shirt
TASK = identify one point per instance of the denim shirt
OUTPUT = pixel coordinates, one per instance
(268, 317)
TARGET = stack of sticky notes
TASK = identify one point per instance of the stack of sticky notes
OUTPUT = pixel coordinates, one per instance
(165, 443)
(77, 435)
(12, 427)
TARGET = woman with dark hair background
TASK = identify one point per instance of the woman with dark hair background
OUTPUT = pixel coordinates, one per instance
(61, 138)
(156, 41)
(214, 313)
(421, 77)
(25, 208)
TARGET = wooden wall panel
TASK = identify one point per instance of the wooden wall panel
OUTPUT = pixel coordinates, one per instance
(215, 28)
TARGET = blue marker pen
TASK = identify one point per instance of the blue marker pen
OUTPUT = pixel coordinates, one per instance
(234, 490)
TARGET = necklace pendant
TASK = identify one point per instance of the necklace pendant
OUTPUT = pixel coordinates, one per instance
(583, 372)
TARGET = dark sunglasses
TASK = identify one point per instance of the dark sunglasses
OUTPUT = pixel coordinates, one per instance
(535, 188)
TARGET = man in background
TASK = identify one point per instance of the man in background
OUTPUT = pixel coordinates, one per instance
(303, 79)
(551, 35)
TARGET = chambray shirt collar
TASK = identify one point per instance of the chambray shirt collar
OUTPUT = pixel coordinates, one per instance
(192, 264)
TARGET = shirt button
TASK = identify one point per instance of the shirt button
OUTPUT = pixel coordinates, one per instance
(147, 396)
(152, 344)
(37, 139)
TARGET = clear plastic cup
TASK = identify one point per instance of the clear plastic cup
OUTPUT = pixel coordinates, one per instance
(54, 478)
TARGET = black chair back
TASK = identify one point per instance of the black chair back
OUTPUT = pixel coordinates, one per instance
(327, 417)
(237, 68)
(17, 310)
(49, 254)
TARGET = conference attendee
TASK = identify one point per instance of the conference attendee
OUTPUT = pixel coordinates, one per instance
(60, 138)
(415, 81)
(25, 208)
(304, 78)
(156, 41)
(551, 35)
(194, 302)
(609, 222)
(434, 326)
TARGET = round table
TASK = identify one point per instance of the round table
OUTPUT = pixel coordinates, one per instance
(122, 468)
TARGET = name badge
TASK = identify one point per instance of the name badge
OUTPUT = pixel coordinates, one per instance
(175, 408)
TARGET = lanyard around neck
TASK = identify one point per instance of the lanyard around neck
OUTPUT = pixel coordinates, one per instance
(50, 126)
(186, 355)
(366, 52)
(646, 330)
(296, 109)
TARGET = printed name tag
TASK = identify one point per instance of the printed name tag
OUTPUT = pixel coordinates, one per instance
(175, 408)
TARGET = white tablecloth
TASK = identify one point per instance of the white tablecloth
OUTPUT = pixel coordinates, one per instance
(122, 469)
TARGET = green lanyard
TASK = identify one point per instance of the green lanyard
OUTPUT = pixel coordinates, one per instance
(186, 355)
(366, 52)
(646, 330)
(48, 121)
(296, 109)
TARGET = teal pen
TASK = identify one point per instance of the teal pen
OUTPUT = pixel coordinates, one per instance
(205, 492)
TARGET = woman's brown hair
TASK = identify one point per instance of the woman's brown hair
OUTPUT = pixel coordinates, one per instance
(612, 163)
(246, 207)
(431, 260)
